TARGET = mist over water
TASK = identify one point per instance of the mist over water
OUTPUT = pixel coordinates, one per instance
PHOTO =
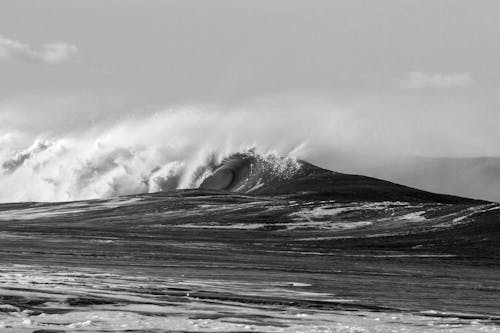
(166, 150)
(178, 147)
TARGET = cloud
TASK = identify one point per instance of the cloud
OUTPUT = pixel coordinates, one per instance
(421, 80)
(50, 53)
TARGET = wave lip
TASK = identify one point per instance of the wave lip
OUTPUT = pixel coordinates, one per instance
(249, 172)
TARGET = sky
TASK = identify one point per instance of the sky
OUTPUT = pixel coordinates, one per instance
(369, 78)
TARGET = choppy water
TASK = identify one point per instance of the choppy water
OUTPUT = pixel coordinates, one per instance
(209, 261)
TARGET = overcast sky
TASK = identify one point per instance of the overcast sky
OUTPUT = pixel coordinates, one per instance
(422, 74)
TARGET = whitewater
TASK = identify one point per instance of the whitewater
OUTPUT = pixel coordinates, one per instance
(172, 149)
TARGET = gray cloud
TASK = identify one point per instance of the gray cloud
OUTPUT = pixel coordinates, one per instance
(50, 53)
(421, 80)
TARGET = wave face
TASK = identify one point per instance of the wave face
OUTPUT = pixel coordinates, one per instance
(249, 172)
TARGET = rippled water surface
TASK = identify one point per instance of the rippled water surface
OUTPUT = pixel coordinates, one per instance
(208, 261)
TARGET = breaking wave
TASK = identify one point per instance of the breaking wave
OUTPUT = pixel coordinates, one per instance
(171, 150)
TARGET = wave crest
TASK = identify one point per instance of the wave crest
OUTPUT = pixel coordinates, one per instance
(61, 171)
(170, 149)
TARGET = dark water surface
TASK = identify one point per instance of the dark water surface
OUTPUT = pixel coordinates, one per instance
(214, 261)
